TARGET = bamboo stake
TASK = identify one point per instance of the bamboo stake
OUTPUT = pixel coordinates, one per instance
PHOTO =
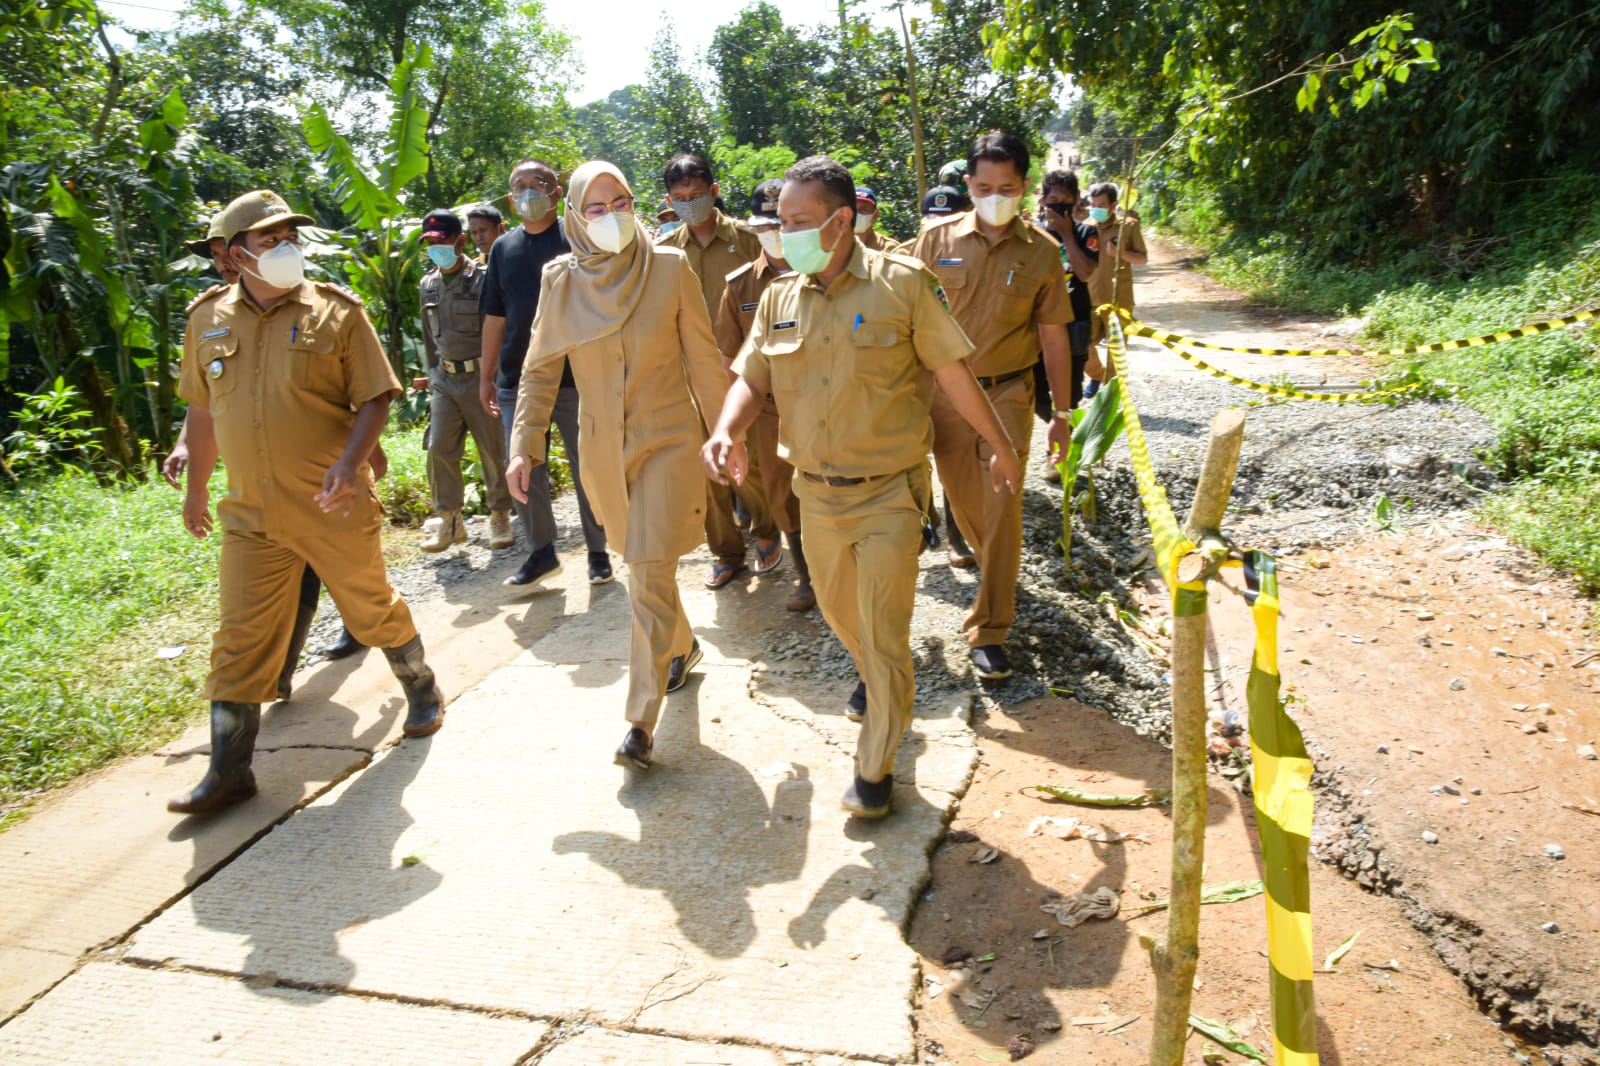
(1176, 956)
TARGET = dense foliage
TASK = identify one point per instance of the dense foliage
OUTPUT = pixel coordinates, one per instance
(365, 114)
(1361, 131)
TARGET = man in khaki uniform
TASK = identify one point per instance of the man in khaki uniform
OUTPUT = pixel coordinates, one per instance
(452, 339)
(717, 246)
(1004, 280)
(849, 347)
(1120, 247)
(286, 381)
(866, 222)
(740, 298)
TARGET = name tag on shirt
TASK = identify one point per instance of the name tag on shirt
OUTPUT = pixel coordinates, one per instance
(791, 324)
(950, 262)
(750, 307)
(212, 334)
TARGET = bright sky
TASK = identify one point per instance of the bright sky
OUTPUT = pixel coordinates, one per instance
(613, 47)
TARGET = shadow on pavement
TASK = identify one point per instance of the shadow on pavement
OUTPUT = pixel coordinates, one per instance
(707, 835)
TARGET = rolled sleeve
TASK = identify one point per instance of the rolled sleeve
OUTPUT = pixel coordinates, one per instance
(191, 377)
(367, 369)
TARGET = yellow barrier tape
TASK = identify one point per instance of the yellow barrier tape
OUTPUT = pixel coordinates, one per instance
(1177, 339)
(1373, 396)
(1282, 791)
(1282, 767)
(1171, 545)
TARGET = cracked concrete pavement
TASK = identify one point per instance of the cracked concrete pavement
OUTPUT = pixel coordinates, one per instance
(500, 892)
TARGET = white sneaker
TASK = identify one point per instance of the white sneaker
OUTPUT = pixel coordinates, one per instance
(450, 530)
(501, 535)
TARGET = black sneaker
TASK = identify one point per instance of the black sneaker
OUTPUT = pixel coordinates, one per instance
(600, 568)
(678, 671)
(869, 800)
(991, 662)
(856, 709)
(543, 565)
(635, 750)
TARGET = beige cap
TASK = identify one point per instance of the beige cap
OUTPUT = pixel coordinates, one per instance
(253, 211)
(202, 247)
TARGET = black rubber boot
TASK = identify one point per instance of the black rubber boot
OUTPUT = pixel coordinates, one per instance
(229, 779)
(346, 645)
(425, 705)
(801, 597)
(297, 642)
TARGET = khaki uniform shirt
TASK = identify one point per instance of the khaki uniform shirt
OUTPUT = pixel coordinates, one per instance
(1000, 293)
(452, 325)
(850, 365)
(283, 386)
(874, 241)
(738, 311)
(1126, 230)
(639, 433)
(732, 246)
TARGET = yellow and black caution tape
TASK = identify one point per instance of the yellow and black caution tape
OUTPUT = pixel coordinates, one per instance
(1282, 788)
(1282, 767)
(1176, 340)
(1372, 396)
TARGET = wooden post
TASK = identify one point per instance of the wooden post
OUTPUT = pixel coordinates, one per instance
(918, 163)
(1174, 959)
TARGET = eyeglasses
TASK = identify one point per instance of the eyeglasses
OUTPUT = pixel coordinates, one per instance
(622, 205)
(523, 186)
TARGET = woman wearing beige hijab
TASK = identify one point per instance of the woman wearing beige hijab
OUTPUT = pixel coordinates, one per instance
(628, 317)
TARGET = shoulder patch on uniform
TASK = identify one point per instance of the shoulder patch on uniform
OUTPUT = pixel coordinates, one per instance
(203, 297)
(339, 290)
(938, 294)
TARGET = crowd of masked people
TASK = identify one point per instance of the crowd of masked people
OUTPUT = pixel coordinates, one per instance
(771, 386)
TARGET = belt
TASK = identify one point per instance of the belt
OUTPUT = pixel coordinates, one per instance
(840, 482)
(1001, 379)
(466, 366)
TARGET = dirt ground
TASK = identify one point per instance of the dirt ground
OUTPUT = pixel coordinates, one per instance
(1446, 684)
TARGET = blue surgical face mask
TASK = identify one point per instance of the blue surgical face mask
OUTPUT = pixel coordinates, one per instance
(443, 255)
(668, 227)
(1100, 214)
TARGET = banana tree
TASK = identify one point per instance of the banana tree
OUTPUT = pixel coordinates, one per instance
(379, 256)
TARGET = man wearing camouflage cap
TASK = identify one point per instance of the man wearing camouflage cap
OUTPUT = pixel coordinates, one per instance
(287, 384)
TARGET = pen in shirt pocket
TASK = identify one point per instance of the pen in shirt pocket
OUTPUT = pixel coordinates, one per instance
(294, 331)
(855, 328)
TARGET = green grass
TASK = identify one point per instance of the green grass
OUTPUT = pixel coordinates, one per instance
(1541, 393)
(97, 580)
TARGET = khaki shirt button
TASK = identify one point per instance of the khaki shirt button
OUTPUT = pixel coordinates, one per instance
(824, 381)
(825, 340)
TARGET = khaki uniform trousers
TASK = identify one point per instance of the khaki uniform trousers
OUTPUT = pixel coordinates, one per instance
(774, 474)
(991, 521)
(260, 590)
(660, 632)
(454, 410)
(862, 543)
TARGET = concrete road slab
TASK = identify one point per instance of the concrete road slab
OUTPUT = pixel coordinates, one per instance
(133, 1016)
(607, 1047)
(104, 857)
(720, 896)
(26, 972)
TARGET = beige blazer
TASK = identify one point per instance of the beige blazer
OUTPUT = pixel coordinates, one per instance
(639, 435)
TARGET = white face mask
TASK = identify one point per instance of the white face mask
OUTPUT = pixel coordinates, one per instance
(612, 232)
(771, 241)
(864, 222)
(282, 267)
(997, 210)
